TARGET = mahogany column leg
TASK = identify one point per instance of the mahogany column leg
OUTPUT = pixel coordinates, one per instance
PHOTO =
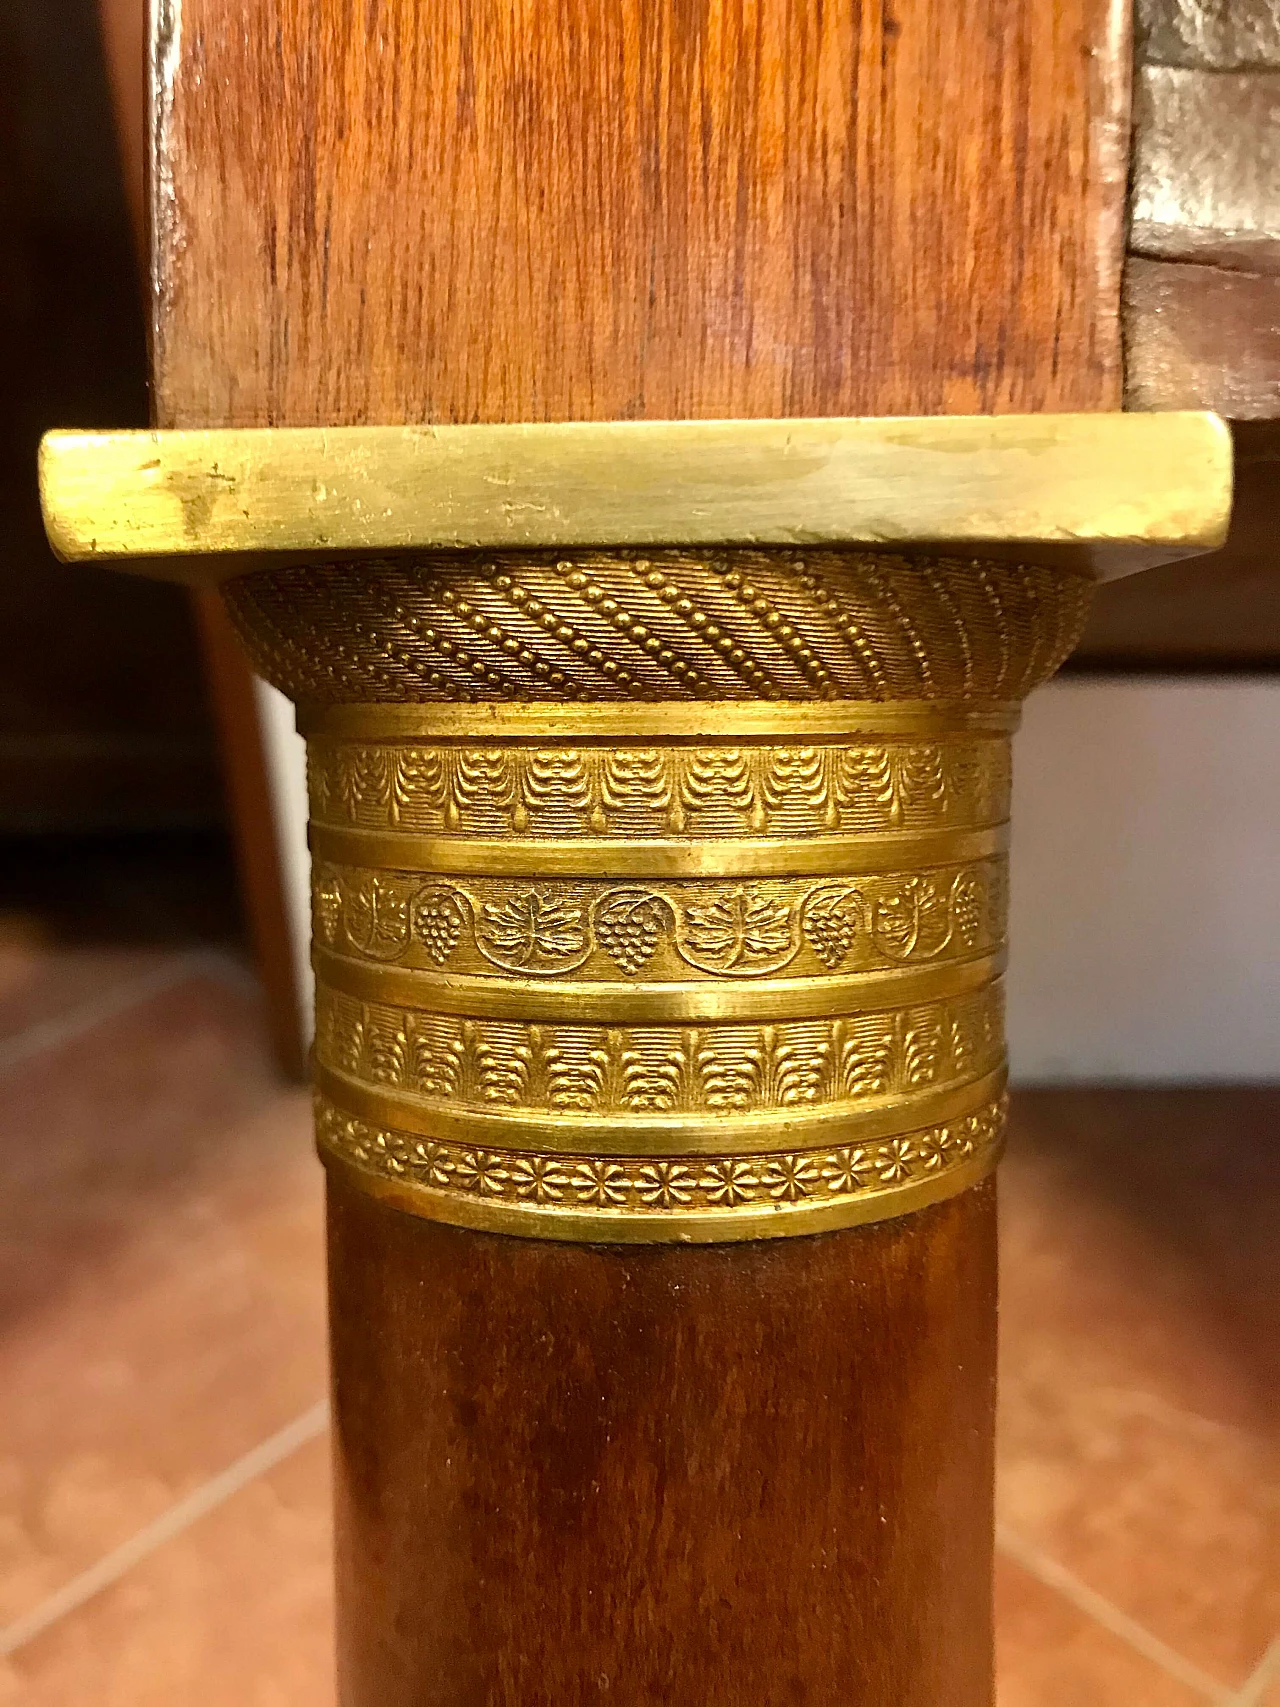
(715, 1474)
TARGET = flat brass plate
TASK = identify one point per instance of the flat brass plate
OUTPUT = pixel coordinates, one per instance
(1111, 492)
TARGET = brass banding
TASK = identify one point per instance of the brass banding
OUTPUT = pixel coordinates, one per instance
(660, 932)
(1089, 484)
(718, 1199)
(674, 1003)
(822, 856)
(576, 988)
(643, 1135)
(736, 720)
(622, 1227)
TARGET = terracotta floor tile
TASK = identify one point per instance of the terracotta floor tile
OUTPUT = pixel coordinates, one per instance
(161, 1304)
(1048, 1654)
(39, 983)
(1139, 1342)
(82, 915)
(236, 1612)
(1263, 1689)
(239, 1610)
(161, 1313)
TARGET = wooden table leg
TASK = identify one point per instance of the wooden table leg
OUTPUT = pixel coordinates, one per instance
(711, 1474)
(742, 1471)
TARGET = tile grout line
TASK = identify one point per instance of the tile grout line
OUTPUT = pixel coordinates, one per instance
(228, 969)
(1101, 1611)
(1267, 1669)
(199, 1503)
(131, 992)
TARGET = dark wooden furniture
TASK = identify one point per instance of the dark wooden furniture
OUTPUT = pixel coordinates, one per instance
(1202, 321)
(103, 725)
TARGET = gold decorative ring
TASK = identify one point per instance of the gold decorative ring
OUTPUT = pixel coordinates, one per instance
(642, 982)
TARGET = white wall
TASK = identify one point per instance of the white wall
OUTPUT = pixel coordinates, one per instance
(1146, 878)
(286, 762)
(1146, 883)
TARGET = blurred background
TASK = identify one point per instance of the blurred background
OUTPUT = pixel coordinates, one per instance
(163, 1507)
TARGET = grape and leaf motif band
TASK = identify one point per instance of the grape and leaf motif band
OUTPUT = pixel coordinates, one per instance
(631, 988)
(614, 932)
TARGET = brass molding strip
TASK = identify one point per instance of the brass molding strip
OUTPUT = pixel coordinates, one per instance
(761, 856)
(720, 1199)
(1108, 493)
(714, 1000)
(641, 1135)
(669, 723)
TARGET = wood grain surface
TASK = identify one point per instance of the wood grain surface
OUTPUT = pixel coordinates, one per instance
(709, 1476)
(659, 208)
(757, 1474)
(1202, 338)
